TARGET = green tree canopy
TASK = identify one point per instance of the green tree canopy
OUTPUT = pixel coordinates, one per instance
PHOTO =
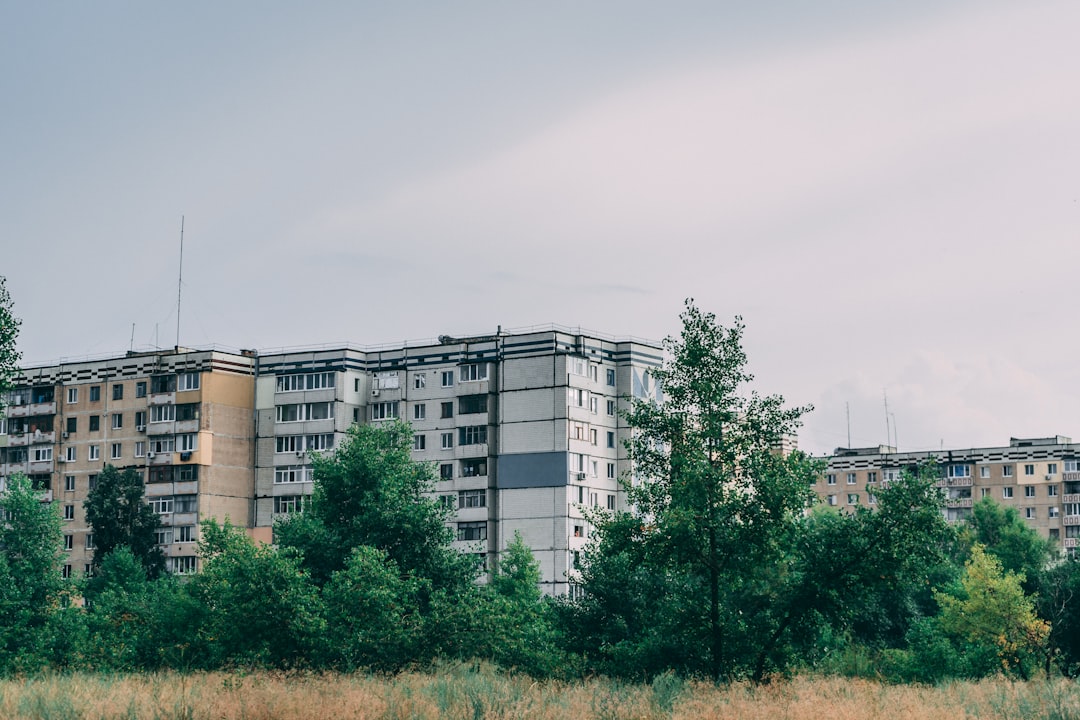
(9, 334)
(118, 516)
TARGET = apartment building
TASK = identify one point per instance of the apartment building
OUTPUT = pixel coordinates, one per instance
(522, 429)
(1040, 477)
(183, 419)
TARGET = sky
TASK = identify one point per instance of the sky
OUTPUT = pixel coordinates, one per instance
(887, 193)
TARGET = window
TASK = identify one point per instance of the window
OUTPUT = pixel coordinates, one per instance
(593, 499)
(90, 541)
(1053, 511)
(185, 533)
(91, 482)
(94, 452)
(472, 404)
(162, 413)
(71, 425)
(446, 471)
(117, 451)
(301, 412)
(65, 572)
(610, 502)
(579, 531)
(472, 499)
(576, 365)
(117, 421)
(162, 505)
(163, 384)
(1072, 465)
(1029, 491)
(959, 471)
(300, 443)
(184, 565)
(611, 377)
(95, 423)
(420, 381)
(830, 479)
(308, 381)
(851, 478)
(1051, 468)
(594, 404)
(69, 483)
(1051, 491)
(472, 373)
(446, 501)
(853, 499)
(472, 531)
(594, 467)
(72, 395)
(187, 381)
(356, 385)
(871, 477)
(985, 492)
(984, 472)
(95, 393)
(69, 512)
(446, 410)
(286, 504)
(118, 392)
(69, 542)
(1029, 513)
(187, 473)
(291, 474)
(611, 439)
(140, 389)
(611, 407)
(1006, 470)
(592, 436)
(41, 454)
(447, 440)
(474, 467)
(140, 420)
(162, 445)
(140, 448)
(384, 410)
(1006, 492)
(448, 378)
(419, 442)
(472, 435)
(188, 442)
(1029, 469)
(576, 396)
(611, 470)
(163, 536)
(419, 411)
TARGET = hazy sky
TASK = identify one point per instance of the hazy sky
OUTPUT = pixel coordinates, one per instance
(887, 192)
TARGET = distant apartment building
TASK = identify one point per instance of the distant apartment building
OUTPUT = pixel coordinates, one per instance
(183, 419)
(522, 430)
(1040, 477)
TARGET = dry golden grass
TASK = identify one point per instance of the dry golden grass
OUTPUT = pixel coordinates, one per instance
(469, 693)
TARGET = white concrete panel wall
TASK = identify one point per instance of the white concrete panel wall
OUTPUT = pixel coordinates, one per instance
(264, 391)
(527, 373)
(543, 436)
(525, 405)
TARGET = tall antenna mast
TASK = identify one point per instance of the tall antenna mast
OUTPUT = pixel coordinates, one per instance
(847, 410)
(179, 282)
(888, 430)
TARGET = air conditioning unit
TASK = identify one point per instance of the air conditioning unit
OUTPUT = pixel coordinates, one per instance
(300, 454)
(64, 434)
(61, 459)
(150, 454)
(1049, 476)
(374, 391)
(581, 476)
(140, 428)
(184, 456)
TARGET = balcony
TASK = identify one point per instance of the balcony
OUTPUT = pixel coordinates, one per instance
(958, 502)
(1071, 520)
(1071, 498)
(1071, 543)
(161, 428)
(168, 398)
(954, 482)
(1070, 476)
(160, 458)
(41, 466)
(28, 409)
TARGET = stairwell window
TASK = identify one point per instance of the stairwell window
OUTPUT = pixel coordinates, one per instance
(474, 372)
(187, 381)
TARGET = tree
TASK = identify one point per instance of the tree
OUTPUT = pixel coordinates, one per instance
(32, 590)
(991, 613)
(369, 492)
(118, 516)
(9, 333)
(1008, 537)
(717, 510)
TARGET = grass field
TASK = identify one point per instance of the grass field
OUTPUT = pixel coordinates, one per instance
(471, 693)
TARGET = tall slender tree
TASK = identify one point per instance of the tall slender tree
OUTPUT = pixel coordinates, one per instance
(118, 516)
(9, 333)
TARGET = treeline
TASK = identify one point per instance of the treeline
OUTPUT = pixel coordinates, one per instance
(724, 568)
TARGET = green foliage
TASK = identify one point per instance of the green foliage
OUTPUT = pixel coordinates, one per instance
(992, 615)
(1059, 604)
(1009, 538)
(260, 606)
(369, 492)
(9, 334)
(32, 590)
(118, 516)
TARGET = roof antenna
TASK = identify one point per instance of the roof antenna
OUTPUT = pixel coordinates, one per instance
(888, 430)
(847, 410)
(131, 343)
(179, 283)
